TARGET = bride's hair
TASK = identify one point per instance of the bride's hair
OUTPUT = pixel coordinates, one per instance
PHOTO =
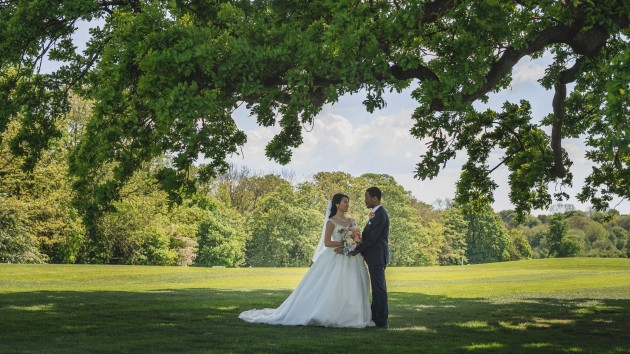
(336, 199)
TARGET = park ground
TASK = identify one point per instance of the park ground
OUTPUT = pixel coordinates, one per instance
(574, 305)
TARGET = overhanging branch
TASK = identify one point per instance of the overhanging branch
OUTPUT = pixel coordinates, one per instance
(565, 77)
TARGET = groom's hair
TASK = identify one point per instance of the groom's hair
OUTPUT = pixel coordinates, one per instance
(374, 192)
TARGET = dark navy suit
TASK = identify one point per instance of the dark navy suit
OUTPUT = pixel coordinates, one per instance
(375, 251)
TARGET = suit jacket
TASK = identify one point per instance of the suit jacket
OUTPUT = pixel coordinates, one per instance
(374, 246)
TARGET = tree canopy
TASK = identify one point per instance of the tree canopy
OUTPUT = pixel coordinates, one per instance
(165, 76)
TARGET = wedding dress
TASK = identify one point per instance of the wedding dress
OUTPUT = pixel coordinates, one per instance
(333, 293)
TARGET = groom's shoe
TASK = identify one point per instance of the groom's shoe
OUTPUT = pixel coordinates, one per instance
(385, 326)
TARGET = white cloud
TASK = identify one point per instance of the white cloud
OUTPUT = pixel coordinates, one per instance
(382, 144)
(528, 72)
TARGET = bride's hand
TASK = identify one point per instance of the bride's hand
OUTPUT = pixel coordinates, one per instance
(339, 250)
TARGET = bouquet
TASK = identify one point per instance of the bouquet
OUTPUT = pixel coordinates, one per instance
(351, 238)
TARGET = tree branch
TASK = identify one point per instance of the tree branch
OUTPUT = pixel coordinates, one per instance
(420, 73)
(565, 77)
(433, 11)
(507, 158)
(556, 129)
(511, 56)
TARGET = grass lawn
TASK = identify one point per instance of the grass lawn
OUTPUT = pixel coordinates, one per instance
(579, 305)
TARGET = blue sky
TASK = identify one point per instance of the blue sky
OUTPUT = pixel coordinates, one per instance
(347, 138)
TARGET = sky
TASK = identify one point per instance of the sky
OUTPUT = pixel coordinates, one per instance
(345, 137)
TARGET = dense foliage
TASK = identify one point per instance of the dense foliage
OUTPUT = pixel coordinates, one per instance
(166, 75)
(574, 233)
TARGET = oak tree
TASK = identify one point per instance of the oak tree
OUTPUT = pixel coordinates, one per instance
(166, 75)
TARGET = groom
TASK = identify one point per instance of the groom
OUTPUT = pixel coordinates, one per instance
(375, 250)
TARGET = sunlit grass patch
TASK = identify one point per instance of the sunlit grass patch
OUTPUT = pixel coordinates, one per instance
(584, 311)
(537, 345)
(33, 308)
(552, 321)
(536, 323)
(474, 324)
(594, 306)
(422, 306)
(522, 326)
(415, 329)
(483, 346)
(601, 320)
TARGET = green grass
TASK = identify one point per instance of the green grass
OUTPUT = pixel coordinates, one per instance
(577, 305)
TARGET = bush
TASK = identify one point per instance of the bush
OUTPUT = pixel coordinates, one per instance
(154, 247)
(569, 247)
(219, 245)
(17, 244)
(519, 248)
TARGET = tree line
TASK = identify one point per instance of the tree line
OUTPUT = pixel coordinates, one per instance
(242, 218)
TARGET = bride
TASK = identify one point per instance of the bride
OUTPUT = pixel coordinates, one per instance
(335, 290)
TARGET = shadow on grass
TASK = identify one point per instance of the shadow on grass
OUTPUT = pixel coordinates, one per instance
(205, 320)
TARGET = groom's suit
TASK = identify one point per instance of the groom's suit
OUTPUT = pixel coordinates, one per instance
(375, 251)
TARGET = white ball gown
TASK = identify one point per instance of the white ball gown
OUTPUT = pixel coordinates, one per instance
(333, 293)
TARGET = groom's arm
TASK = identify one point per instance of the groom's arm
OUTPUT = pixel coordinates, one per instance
(376, 230)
